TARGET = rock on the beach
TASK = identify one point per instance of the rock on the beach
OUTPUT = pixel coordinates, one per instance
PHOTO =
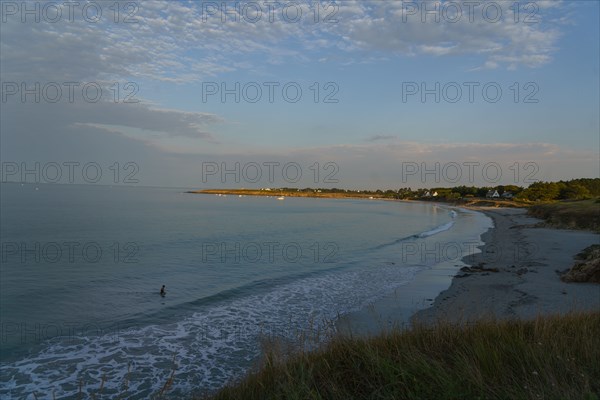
(522, 271)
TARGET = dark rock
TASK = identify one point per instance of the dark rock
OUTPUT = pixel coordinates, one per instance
(522, 271)
(478, 269)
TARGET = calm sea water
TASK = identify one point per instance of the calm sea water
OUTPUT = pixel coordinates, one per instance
(82, 267)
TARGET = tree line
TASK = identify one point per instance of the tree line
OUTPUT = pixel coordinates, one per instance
(575, 189)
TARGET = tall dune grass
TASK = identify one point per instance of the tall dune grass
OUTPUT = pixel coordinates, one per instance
(555, 357)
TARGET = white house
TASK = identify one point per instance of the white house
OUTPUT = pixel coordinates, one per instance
(492, 194)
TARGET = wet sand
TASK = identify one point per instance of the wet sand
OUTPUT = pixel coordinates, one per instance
(527, 283)
(528, 259)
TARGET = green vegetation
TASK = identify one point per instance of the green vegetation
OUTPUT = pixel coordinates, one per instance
(583, 214)
(564, 204)
(576, 189)
(550, 358)
(587, 267)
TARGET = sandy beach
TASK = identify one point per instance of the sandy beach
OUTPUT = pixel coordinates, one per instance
(527, 259)
(527, 282)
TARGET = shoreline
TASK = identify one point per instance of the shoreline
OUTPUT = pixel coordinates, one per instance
(527, 259)
(475, 203)
(525, 252)
(527, 284)
(291, 194)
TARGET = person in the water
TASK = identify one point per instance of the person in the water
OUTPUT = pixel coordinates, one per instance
(162, 290)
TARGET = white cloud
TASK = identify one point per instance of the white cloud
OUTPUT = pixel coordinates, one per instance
(172, 42)
(405, 29)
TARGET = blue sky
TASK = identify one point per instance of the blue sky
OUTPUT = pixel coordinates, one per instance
(373, 53)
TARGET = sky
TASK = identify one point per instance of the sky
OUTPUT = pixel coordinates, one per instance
(347, 94)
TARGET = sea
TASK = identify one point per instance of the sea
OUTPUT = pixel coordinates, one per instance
(82, 266)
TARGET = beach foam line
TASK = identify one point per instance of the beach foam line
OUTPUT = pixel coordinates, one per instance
(435, 230)
(212, 345)
(421, 235)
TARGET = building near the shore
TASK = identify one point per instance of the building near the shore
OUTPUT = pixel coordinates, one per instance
(492, 194)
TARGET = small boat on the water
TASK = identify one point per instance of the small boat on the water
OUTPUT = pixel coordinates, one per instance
(281, 198)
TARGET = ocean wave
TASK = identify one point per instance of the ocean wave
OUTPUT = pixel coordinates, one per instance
(209, 347)
(437, 229)
(421, 235)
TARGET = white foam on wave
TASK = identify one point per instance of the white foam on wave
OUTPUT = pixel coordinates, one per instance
(435, 230)
(211, 346)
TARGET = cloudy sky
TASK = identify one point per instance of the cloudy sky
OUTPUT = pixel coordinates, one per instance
(352, 94)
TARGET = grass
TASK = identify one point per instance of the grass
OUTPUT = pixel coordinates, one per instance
(548, 358)
(515, 203)
(582, 214)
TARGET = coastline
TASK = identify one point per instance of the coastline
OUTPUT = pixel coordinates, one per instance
(287, 193)
(527, 283)
(520, 259)
(439, 258)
